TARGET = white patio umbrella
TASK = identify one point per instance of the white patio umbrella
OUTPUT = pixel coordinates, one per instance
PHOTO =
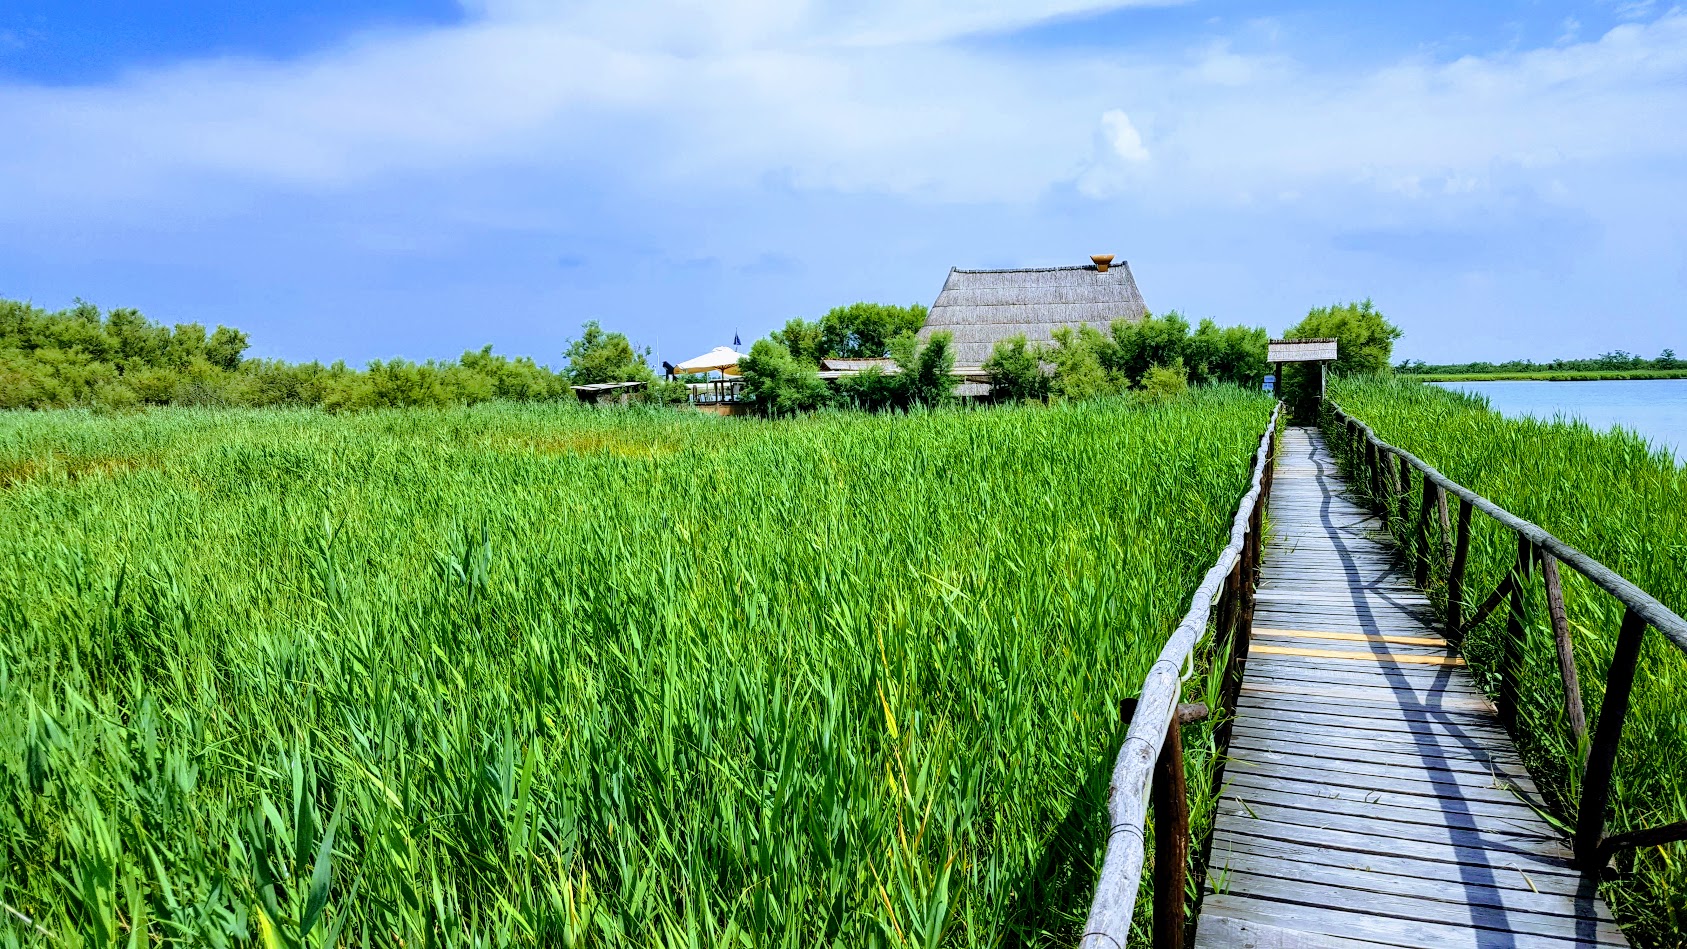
(723, 358)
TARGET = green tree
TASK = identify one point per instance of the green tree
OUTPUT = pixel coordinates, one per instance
(865, 330)
(1233, 354)
(1137, 347)
(225, 347)
(872, 390)
(601, 356)
(805, 341)
(778, 383)
(928, 369)
(1079, 356)
(1016, 370)
(1365, 340)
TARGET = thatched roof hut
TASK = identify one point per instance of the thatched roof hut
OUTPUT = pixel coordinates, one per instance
(982, 306)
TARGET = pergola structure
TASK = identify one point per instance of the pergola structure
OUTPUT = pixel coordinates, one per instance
(1320, 351)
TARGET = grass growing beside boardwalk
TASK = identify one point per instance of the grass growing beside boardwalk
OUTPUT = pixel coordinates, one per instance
(543, 676)
(1610, 496)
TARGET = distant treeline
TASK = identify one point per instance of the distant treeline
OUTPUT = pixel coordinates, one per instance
(82, 357)
(1616, 361)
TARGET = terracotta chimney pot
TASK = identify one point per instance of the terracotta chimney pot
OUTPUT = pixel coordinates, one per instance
(1102, 262)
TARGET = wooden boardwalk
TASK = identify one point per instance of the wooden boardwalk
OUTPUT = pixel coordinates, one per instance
(1372, 797)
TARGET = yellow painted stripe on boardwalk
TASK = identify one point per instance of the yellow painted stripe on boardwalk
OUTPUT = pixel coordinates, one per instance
(1356, 656)
(1352, 637)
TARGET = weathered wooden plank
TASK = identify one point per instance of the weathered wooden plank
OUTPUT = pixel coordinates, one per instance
(1355, 713)
(1498, 784)
(1381, 622)
(1424, 730)
(1405, 673)
(1577, 901)
(1385, 832)
(1351, 637)
(1403, 715)
(1412, 907)
(1402, 601)
(1445, 743)
(1418, 783)
(1379, 655)
(1441, 768)
(1243, 783)
(1381, 645)
(1296, 853)
(1343, 739)
(1413, 822)
(1475, 857)
(1316, 678)
(1368, 695)
(1220, 932)
(1383, 929)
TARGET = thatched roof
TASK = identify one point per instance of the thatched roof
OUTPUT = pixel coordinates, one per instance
(983, 306)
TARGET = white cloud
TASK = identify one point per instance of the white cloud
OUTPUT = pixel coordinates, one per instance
(1123, 136)
(699, 94)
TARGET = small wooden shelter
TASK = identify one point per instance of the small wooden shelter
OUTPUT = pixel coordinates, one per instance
(1320, 351)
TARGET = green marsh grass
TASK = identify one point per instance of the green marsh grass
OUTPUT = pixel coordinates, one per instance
(1612, 497)
(548, 676)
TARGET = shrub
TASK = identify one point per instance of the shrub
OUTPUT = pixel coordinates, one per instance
(600, 356)
(927, 370)
(872, 389)
(1079, 371)
(1161, 383)
(1016, 370)
(778, 383)
(666, 392)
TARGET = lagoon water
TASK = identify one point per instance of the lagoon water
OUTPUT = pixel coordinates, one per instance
(1654, 408)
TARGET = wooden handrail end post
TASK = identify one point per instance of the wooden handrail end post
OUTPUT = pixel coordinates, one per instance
(1607, 735)
(1170, 800)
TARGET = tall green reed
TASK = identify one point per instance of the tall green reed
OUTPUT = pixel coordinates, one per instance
(537, 675)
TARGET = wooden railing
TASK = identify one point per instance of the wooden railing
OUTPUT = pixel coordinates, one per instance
(1387, 471)
(1150, 763)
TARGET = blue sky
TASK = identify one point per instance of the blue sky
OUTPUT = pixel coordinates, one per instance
(375, 178)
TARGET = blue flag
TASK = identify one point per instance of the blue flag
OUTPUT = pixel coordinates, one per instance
(735, 341)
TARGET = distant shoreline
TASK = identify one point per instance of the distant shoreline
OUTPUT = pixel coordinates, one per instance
(1549, 376)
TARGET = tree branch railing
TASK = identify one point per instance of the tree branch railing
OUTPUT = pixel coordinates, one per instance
(1387, 471)
(1149, 767)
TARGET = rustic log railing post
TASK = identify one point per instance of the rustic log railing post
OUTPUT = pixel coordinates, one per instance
(1227, 601)
(1371, 478)
(1446, 526)
(1405, 498)
(1512, 649)
(1420, 539)
(1607, 735)
(1390, 487)
(1455, 572)
(1573, 709)
(1169, 797)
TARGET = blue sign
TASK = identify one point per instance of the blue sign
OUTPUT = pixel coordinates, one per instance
(1270, 383)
